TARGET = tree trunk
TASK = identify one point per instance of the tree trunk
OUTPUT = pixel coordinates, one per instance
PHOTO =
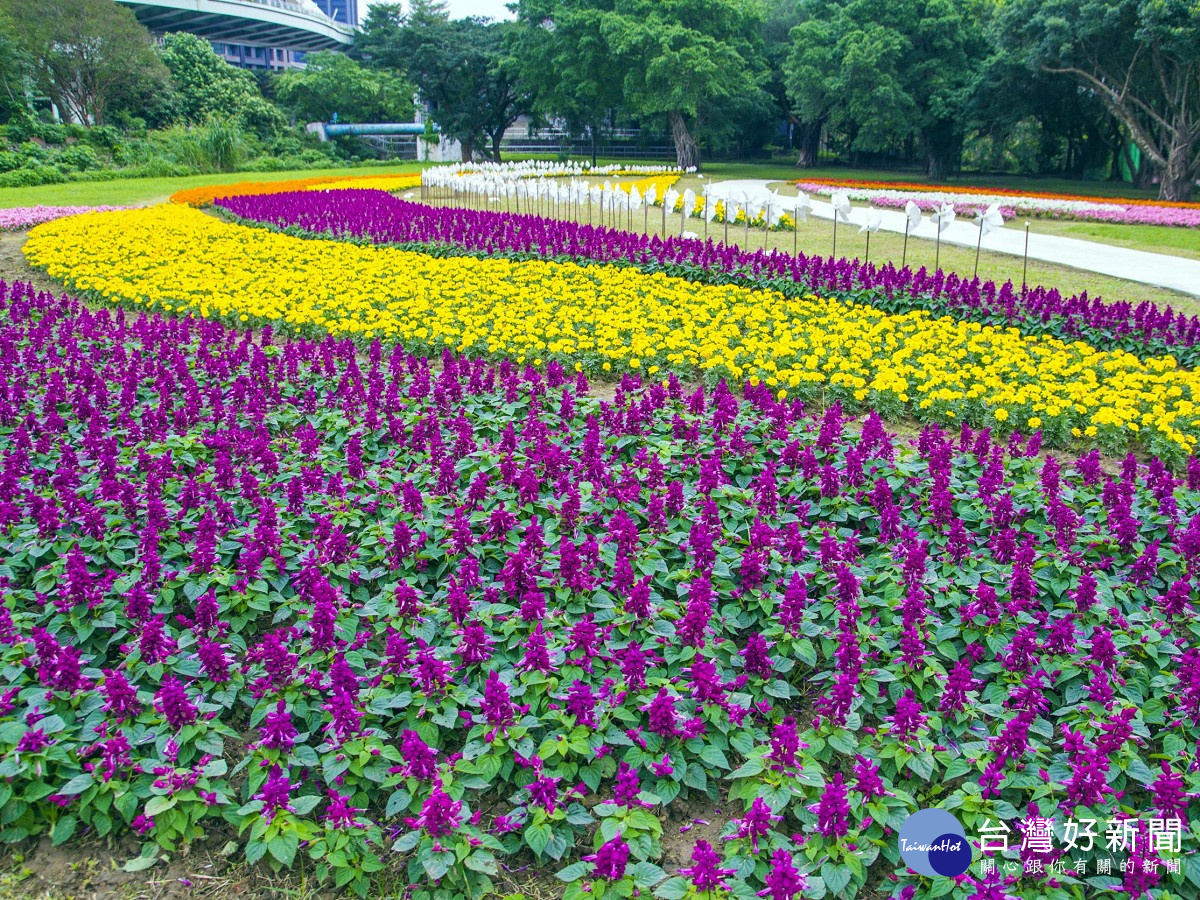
(468, 149)
(1179, 176)
(943, 149)
(687, 152)
(496, 139)
(592, 133)
(810, 143)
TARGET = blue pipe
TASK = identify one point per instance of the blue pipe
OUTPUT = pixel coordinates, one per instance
(377, 128)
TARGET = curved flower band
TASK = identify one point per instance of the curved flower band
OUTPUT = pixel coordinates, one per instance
(614, 319)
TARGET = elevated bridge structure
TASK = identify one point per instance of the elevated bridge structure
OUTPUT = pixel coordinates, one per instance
(293, 24)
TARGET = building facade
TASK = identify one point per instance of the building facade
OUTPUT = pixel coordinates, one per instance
(344, 11)
(255, 34)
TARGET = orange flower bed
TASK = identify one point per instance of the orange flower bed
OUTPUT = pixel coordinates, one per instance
(204, 196)
(1005, 192)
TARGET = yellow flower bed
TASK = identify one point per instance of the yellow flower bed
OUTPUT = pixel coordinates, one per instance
(375, 182)
(660, 183)
(204, 196)
(618, 319)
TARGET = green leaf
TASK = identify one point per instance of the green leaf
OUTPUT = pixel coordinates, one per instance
(856, 867)
(750, 767)
(283, 847)
(923, 766)
(714, 757)
(482, 861)
(397, 803)
(836, 877)
(139, 863)
(647, 873)
(407, 842)
(1140, 771)
(158, 804)
(843, 741)
(537, 837)
(78, 784)
(436, 865)
(304, 805)
(63, 829)
(573, 872)
(673, 889)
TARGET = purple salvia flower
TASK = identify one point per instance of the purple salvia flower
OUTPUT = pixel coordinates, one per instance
(705, 871)
(784, 880)
(609, 861)
(275, 794)
(277, 730)
(833, 812)
(173, 703)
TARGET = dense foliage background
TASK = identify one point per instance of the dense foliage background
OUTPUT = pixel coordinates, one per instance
(943, 85)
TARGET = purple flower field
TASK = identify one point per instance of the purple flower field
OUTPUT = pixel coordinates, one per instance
(348, 606)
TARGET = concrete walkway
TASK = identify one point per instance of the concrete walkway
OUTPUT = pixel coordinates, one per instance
(1159, 269)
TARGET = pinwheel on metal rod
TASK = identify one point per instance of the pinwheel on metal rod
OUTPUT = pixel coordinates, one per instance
(689, 203)
(874, 221)
(942, 218)
(841, 210)
(988, 221)
(1025, 264)
(801, 210)
(912, 218)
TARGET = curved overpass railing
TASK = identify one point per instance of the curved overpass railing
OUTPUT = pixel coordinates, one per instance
(293, 24)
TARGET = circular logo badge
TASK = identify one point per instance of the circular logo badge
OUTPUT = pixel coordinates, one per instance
(933, 842)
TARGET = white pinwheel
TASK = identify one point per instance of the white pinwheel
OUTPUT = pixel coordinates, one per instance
(803, 207)
(913, 212)
(841, 207)
(874, 220)
(990, 220)
(943, 217)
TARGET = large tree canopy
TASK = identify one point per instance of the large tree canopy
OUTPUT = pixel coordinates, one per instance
(882, 71)
(695, 64)
(82, 52)
(334, 83)
(687, 60)
(206, 85)
(461, 66)
(1140, 57)
(562, 56)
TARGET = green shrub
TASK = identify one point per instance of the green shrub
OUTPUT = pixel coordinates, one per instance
(33, 176)
(79, 158)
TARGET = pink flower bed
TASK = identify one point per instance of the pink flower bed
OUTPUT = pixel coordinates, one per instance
(19, 218)
(1065, 209)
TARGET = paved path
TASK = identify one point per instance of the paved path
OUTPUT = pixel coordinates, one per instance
(1174, 272)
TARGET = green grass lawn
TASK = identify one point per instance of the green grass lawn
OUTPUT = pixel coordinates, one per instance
(133, 191)
(1155, 238)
